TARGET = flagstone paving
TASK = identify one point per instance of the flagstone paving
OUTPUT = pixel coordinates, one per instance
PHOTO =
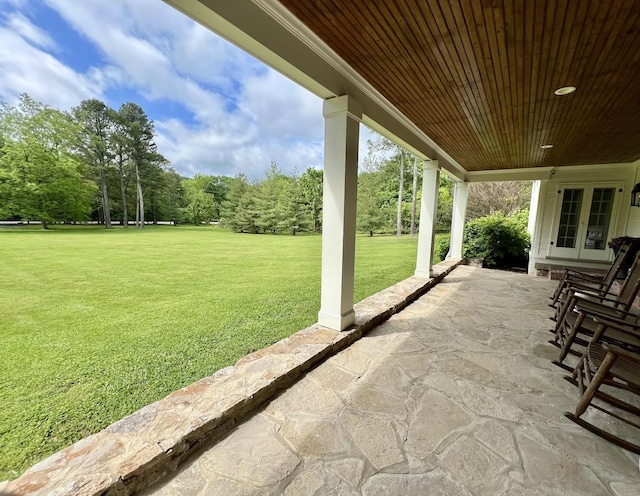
(455, 395)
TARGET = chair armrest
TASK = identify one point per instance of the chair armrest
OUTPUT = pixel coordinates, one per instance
(616, 350)
(582, 275)
(619, 325)
(582, 299)
(613, 298)
(596, 309)
(601, 296)
(590, 291)
(582, 286)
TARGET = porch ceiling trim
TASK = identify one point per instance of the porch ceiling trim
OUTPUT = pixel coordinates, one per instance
(269, 32)
(543, 173)
(529, 174)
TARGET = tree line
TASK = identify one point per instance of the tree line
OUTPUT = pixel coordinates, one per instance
(278, 203)
(97, 163)
(389, 192)
(388, 197)
(91, 162)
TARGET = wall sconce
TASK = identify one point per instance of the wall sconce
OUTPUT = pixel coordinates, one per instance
(635, 196)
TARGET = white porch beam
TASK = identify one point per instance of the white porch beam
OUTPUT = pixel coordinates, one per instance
(428, 209)
(342, 122)
(460, 196)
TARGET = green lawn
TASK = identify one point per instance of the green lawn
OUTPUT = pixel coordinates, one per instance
(96, 324)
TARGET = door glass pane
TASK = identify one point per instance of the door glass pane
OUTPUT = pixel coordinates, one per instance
(599, 218)
(569, 218)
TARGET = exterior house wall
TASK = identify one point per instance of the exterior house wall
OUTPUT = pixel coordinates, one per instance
(625, 222)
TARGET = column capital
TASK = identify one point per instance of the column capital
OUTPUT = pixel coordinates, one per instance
(341, 106)
(430, 165)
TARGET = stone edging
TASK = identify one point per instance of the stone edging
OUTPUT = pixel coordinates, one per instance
(145, 446)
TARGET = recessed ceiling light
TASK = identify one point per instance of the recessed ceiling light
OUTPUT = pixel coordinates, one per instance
(565, 90)
(546, 147)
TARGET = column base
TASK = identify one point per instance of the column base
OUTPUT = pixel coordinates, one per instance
(335, 321)
(426, 274)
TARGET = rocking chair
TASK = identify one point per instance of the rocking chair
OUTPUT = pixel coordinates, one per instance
(607, 364)
(601, 284)
(582, 307)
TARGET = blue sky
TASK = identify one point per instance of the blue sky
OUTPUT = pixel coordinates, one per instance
(216, 109)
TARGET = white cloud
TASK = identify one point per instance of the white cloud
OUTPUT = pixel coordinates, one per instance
(156, 45)
(30, 33)
(284, 108)
(244, 115)
(28, 69)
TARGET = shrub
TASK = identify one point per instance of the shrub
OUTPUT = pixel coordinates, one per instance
(520, 218)
(501, 241)
(442, 247)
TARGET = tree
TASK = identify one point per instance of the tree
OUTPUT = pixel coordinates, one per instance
(292, 211)
(154, 183)
(120, 152)
(370, 216)
(40, 177)
(5, 178)
(218, 187)
(311, 184)
(231, 206)
(173, 196)
(268, 198)
(400, 191)
(200, 206)
(96, 122)
(444, 211)
(247, 214)
(506, 197)
(389, 160)
(138, 132)
(414, 196)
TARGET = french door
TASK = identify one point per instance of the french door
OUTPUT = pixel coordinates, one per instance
(583, 221)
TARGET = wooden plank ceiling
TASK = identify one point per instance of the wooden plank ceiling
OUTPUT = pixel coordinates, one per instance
(478, 76)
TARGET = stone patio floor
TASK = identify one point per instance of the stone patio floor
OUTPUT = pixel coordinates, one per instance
(455, 395)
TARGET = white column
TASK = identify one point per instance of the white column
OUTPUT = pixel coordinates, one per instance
(342, 121)
(428, 209)
(531, 225)
(460, 195)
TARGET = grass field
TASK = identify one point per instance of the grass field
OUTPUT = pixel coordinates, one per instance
(96, 324)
